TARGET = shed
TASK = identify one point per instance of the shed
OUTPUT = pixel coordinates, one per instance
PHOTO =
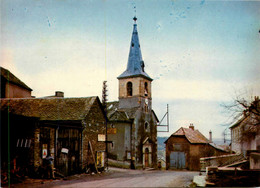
(186, 146)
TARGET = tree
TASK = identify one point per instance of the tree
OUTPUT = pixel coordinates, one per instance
(246, 121)
(242, 108)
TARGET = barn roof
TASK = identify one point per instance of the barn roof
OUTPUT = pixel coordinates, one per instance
(50, 108)
(192, 135)
(8, 76)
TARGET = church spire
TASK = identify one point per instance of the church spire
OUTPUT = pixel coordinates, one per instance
(135, 64)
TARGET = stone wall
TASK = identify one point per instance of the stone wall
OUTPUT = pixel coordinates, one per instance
(218, 160)
(138, 86)
(95, 125)
(254, 160)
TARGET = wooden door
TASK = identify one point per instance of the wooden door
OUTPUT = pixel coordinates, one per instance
(177, 160)
(146, 157)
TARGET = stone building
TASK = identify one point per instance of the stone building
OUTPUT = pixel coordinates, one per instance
(13, 87)
(66, 128)
(186, 146)
(133, 123)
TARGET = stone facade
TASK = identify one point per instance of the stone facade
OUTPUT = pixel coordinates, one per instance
(95, 125)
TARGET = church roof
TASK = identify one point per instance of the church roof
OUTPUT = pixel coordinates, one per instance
(122, 114)
(135, 64)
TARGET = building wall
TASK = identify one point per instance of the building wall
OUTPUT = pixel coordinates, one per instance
(14, 91)
(179, 144)
(141, 134)
(254, 160)
(241, 145)
(94, 126)
(196, 152)
(121, 140)
(235, 139)
(138, 87)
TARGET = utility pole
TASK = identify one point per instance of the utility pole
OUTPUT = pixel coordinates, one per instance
(104, 101)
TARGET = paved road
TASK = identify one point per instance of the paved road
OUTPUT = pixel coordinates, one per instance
(131, 178)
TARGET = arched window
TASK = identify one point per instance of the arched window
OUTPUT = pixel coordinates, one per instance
(146, 89)
(146, 126)
(129, 89)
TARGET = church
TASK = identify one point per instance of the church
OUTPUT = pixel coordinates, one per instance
(132, 128)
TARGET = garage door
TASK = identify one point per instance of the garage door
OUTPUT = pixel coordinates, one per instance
(177, 160)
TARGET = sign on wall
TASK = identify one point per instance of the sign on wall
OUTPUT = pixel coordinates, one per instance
(64, 150)
(101, 137)
(111, 131)
(44, 151)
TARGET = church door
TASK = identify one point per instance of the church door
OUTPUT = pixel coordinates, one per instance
(146, 157)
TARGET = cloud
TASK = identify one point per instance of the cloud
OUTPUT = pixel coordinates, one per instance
(208, 90)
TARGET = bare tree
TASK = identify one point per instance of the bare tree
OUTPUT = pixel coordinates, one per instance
(241, 108)
(246, 114)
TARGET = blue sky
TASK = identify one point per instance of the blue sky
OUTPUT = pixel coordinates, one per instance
(199, 53)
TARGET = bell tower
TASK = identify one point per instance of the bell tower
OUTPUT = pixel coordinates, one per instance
(134, 83)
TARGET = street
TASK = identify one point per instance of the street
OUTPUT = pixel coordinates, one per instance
(128, 178)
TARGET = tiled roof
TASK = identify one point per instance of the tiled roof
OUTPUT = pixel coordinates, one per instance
(7, 75)
(122, 114)
(219, 147)
(135, 64)
(193, 136)
(50, 108)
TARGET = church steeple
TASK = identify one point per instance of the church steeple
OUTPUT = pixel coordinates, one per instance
(135, 64)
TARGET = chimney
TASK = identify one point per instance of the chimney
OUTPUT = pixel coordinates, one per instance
(191, 126)
(59, 94)
(210, 136)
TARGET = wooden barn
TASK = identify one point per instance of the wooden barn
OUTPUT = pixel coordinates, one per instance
(186, 146)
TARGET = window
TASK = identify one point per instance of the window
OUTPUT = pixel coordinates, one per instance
(112, 145)
(176, 147)
(142, 65)
(146, 89)
(146, 108)
(129, 89)
(146, 126)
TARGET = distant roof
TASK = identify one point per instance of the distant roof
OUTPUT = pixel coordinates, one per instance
(135, 64)
(220, 147)
(50, 108)
(122, 114)
(8, 76)
(193, 136)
